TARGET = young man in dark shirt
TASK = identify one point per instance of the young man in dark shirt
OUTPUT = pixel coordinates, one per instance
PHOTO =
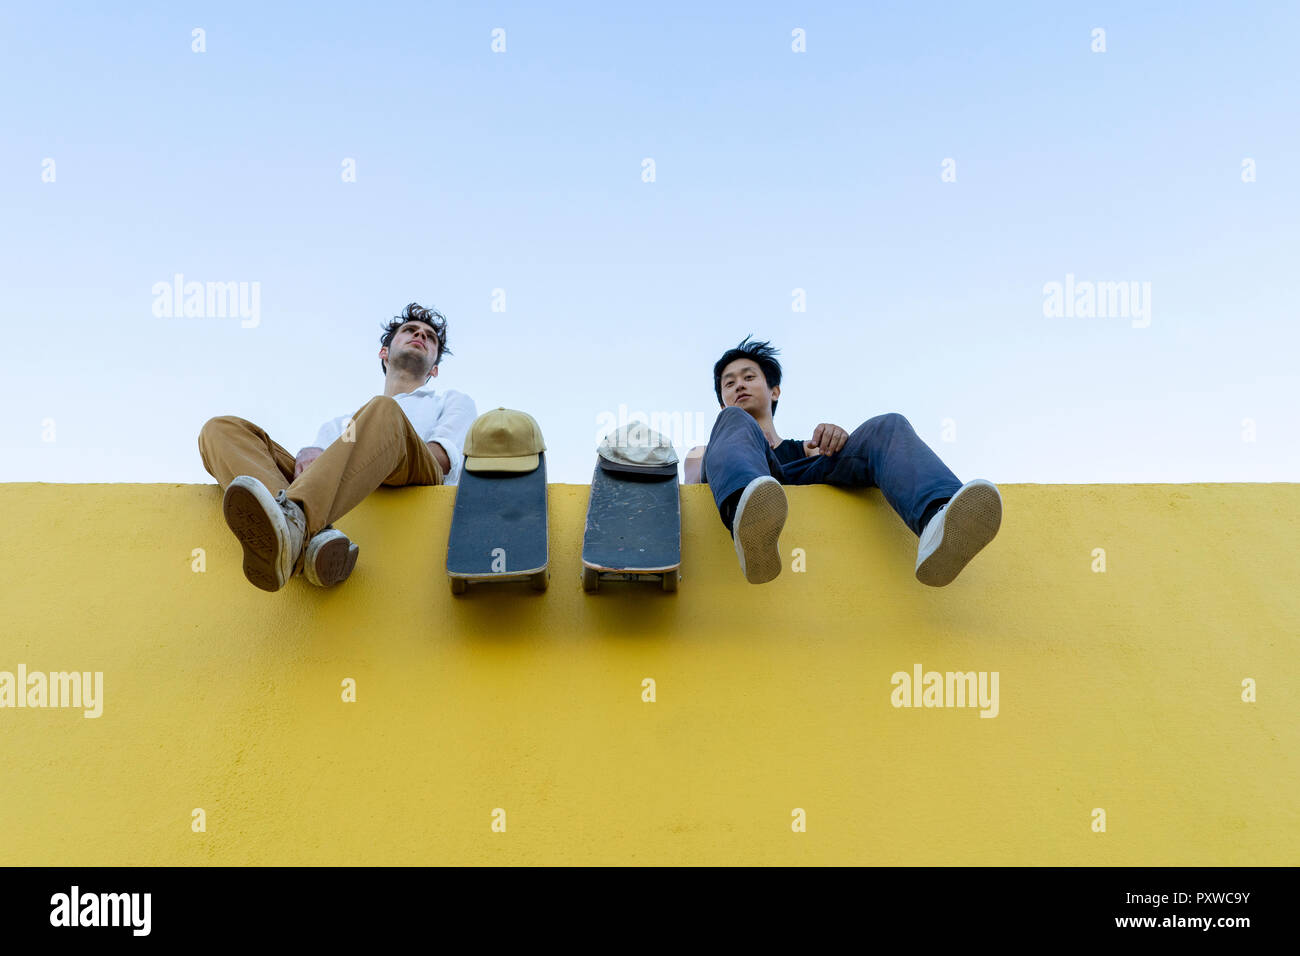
(746, 463)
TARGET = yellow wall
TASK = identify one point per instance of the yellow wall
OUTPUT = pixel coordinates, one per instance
(1119, 690)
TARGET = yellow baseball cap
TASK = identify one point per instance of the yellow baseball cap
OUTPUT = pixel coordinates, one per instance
(503, 440)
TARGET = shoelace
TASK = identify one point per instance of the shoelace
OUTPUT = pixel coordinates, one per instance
(283, 499)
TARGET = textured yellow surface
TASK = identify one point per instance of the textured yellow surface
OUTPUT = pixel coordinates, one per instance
(1118, 690)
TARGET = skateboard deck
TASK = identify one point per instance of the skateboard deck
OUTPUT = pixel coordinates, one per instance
(498, 529)
(634, 530)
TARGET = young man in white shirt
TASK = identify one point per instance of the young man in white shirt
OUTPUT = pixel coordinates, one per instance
(282, 508)
(746, 462)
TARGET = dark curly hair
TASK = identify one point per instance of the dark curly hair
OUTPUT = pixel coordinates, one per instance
(417, 313)
(761, 353)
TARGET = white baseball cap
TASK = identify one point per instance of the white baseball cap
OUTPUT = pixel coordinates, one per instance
(637, 449)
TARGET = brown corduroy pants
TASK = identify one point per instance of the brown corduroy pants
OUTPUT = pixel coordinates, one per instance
(385, 450)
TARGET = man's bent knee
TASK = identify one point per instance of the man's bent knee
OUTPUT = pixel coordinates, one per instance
(733, 416)
(211, 431)
(222, 423)
(386, 402)
(888, 420)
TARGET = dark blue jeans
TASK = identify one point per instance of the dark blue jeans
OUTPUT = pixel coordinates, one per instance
(883, 452)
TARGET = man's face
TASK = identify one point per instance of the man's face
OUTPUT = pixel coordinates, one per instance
(414, 349)
(744, 385)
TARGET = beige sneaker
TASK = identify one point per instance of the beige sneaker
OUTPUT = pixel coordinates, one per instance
(329, 558)
(271, 529)
(760, 516)
(957, 532)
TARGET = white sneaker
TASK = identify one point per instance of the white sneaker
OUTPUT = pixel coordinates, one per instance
(329, 558)
(958, 531)
(760, 516)
(271, 529)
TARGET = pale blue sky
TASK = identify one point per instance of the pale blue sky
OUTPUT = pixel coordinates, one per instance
(774, 170)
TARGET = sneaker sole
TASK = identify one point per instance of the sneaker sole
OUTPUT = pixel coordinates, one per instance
(330, 559)
(971, 521)
(760, 516)
(248, 508)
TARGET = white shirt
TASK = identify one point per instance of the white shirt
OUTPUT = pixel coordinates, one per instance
(442, 418)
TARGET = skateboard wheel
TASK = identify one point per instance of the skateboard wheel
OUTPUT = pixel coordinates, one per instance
(459, 586)
(540, 580)
(670, 581)
(590, 579)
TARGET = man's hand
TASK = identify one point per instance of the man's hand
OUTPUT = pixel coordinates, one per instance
(305, 458)
(826, 440)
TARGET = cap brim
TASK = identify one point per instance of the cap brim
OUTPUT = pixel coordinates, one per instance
(520, 464)
(665, 470)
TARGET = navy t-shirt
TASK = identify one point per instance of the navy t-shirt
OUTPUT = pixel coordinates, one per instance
(789, 450)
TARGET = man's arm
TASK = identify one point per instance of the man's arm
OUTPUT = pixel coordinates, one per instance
(440, 454)
(694, 465)
(448, 438)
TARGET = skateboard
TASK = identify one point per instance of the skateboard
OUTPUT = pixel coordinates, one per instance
(498, 529)
(634, 529)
